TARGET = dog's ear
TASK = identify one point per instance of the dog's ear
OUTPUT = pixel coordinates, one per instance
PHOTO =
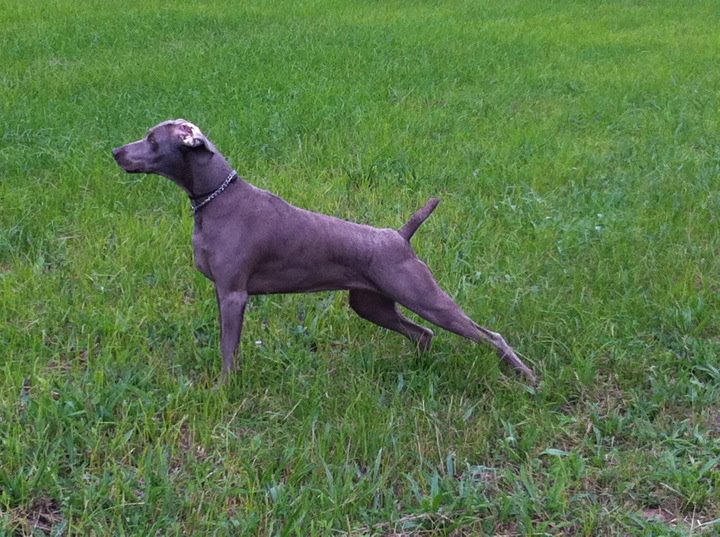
(190, 135)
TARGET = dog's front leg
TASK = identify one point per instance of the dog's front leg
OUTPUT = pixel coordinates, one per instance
(232, 309)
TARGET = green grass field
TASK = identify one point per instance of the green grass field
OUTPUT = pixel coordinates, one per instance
(576, 147)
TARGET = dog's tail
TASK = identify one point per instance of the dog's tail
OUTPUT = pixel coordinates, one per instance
(409, 229)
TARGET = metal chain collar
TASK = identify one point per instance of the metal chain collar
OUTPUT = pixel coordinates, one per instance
(232, 175)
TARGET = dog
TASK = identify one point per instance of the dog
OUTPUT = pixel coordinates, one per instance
(248, 241)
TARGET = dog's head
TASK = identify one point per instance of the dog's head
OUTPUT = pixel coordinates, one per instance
(165, 149)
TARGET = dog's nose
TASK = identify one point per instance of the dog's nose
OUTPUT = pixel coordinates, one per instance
(116, 152)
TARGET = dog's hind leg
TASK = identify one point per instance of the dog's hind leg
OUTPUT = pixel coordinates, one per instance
(414, 286)
(383, 311)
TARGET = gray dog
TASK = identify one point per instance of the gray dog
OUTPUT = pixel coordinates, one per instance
(248, 242)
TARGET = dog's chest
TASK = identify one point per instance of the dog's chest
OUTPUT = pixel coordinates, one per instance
(200, 255)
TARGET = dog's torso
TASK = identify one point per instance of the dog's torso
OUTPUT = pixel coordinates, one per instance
(271, 246)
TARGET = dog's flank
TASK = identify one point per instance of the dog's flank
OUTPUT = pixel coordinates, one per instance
(249, 241)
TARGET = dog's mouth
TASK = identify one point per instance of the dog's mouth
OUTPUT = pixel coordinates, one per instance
(131, 169)
(120, 156)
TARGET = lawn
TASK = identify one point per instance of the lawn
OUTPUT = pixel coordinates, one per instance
(576, 149)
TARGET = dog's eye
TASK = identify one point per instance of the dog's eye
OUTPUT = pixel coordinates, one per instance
(153, 142)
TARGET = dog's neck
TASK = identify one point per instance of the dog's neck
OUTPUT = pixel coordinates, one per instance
(207, 171)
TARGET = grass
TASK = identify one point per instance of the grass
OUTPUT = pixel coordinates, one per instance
(576, 146)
